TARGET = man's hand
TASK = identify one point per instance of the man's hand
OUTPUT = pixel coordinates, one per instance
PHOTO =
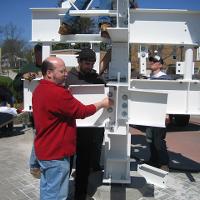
(104, 103)
(107, 102)
(30, 76)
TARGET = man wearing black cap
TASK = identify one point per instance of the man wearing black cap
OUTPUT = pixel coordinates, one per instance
(89, 139)
(156, 64)
(156, 135)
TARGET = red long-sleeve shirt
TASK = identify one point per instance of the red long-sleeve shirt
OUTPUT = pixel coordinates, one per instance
(54, 112)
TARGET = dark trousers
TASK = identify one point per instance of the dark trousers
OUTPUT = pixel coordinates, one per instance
(156, 139)
(4, 117)
(88, 153)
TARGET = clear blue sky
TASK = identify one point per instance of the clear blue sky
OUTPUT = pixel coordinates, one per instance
(18, 12)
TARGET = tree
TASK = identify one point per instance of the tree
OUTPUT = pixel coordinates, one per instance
(12, 44)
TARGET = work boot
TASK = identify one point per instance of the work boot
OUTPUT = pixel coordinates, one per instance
(65, 29)
(35, 172)
(103, 28)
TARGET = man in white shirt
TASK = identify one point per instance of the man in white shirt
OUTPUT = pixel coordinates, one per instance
(155, 136)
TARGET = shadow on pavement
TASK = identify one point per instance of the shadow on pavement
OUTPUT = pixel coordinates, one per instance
(118, 191)
(191, 127)
(181, 163)
(140, 152)
(11, 132)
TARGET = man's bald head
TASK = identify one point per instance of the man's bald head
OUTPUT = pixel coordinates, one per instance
(50, 63)
(54, 70)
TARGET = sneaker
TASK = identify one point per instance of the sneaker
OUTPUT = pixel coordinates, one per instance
(35, 172)
(104, 32)
(65, 29)
(165, 168)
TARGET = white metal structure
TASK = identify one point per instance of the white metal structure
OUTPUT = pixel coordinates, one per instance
(137, 101)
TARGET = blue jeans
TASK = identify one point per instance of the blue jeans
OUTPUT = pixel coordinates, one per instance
(54, 180)
(33, 163)
(82, 4)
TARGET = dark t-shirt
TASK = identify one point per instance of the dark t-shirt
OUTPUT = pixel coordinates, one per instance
(77, 78)
(18, 83)
(6, 96)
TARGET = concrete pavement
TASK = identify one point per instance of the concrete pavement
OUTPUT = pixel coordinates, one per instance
(15, 181)
(17, 184)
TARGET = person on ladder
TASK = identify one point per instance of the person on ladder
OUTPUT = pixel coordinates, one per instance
(66, 26)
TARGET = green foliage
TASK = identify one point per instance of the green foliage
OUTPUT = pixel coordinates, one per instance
(6, 81)
(61, 46)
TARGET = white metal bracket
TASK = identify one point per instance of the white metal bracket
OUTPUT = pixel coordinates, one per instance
(153, 175)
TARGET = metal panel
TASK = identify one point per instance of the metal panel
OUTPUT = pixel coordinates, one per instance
(118, 34)
(119, 63)
(116, 171)
(177, 102)
(164, 27)
(147, 108)
(88, 94)
(117, 145)
(117, 157)
(183, 95)
(153, 175)
(70, 60)
(81, 38)
(93, 13)
(194, 98)
(122, 107)
(49, 19)
(29, 87)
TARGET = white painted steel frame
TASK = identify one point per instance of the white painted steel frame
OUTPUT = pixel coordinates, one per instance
(155, 26)
(88, 94)
(155, 176)
(148, 101)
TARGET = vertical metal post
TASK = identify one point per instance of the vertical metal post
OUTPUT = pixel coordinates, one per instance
(198, 54)
(46, 50)
(117, 14)
(96, 48)
(188, 68)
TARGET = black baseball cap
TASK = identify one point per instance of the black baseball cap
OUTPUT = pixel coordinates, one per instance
(155, 59)
(87, 54)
